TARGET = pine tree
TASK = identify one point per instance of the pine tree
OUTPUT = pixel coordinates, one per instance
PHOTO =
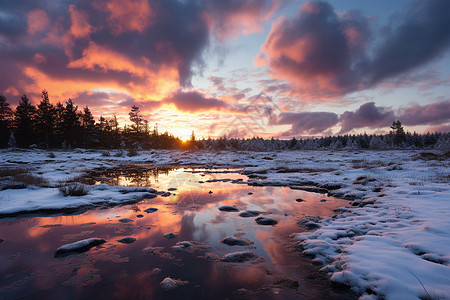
(114, 124)
(398, 132)
(24, 121)
(88, 126)
(135, 118)
(71, 123)
(6, 117)
(59, 126)
(12, 141)
(45, 119)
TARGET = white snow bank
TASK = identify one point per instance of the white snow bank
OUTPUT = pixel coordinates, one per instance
(397, 248)
(40, 199)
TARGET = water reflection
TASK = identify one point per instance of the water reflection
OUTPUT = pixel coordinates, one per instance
(117, 271)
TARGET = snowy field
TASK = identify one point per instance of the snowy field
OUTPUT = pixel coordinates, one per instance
(391, 242)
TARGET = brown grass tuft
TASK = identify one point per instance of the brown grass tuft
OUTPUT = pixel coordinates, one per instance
(74, 189)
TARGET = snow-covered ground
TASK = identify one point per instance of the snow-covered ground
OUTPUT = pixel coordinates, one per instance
(392, 242)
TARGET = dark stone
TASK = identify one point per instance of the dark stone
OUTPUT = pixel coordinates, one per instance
(331, 186)
(310, 189)
(228, 208)
(231, 241)
(127, 240)
(265, 221)
(249, 213)
(170, 235)
(150, 210)
(125, 220)
(78, 247)
(239, 257)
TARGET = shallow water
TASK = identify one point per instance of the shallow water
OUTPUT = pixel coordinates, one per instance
(115, 270)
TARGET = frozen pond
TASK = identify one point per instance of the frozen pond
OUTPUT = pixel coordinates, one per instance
(120, 270)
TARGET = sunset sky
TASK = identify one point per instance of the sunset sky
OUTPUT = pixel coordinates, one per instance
(241, 68)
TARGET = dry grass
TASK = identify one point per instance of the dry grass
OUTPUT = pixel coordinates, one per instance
(74, 189)
(132, 152)
(30, 179)
(22, 175)
(8, 171)
(303, 170)
(366, 164)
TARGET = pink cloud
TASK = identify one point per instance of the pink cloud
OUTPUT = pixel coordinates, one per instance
(194, 101)
(367, 115)
(434, 113)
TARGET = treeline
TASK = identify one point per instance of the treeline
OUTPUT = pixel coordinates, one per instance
(65, 126)
(351, 142)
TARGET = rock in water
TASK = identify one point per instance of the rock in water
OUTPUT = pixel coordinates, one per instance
(169, 283)
(127, 240)
(249, 213)
(150, 210)
(181, 246)
(240, 257)
(125, 220)
(80, 246)
(266, 221)
(231, 241)
(170, 235)
(228, 208)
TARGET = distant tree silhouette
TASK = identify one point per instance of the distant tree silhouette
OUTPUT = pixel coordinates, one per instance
(24, 121)
(293, 143)
(6, 118)
(59, 126)
(114, 124)
(135, 118)
(398, 132)
(71, 123)
(88, 127)
(45, 119)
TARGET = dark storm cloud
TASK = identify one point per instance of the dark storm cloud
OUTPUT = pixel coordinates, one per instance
(416, 38)
(367, 115)
(326, 55)
(195, 101)
(431, 114)
(307, 122)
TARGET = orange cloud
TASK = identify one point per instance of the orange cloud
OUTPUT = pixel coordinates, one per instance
(132, 15)
(37, 21)
(80, 27)
(98, 57)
